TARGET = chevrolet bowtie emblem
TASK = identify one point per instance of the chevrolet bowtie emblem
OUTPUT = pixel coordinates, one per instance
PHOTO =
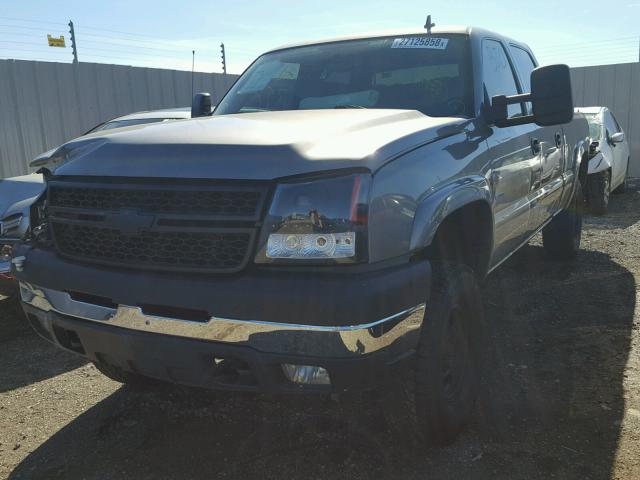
(130, 222)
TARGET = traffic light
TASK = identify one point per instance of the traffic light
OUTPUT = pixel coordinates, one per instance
(224, 59)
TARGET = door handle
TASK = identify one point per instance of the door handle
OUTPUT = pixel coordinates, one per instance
(535, 146)
(558, 139)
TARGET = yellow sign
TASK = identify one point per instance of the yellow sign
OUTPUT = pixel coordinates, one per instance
(56, 42)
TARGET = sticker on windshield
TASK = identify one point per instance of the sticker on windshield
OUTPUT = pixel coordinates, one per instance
(265, 73)
(421, 42)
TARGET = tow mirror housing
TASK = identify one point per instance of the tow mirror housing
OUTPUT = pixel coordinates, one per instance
(551, 95)
(201, 105)
(551, 98)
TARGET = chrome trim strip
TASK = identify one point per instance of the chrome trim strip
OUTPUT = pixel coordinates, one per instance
(8, 225)
(274, 337)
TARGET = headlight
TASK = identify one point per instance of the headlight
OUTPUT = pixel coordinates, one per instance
(318, 221)
(9, 224)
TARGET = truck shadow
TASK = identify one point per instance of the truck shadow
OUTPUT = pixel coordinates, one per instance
(24, 357)
(552, 404)
(619, 208)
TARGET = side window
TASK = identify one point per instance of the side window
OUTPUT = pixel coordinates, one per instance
(524, 65)
(497, 74)
(618, 128)
(609, 124)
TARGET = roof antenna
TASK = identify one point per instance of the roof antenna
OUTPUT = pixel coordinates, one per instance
(428, 25)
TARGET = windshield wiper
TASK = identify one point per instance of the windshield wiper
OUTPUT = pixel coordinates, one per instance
(349, 106)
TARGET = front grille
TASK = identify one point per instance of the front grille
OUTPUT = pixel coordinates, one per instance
(156, 227)
(202, 202)
(182, 250)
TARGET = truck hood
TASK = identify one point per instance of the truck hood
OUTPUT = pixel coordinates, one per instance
(17, 192)
(253, 146)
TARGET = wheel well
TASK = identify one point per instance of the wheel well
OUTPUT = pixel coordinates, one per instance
(584, 168)
(465, 236)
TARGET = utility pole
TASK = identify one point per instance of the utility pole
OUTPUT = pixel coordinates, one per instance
(73, 42)
(193, 67)
(224, 59)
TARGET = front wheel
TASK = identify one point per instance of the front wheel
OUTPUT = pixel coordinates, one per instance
(447, 371)
(561, 237)
(599, 189)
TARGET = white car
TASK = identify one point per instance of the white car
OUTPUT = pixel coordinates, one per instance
(609, 165)
(18, 193)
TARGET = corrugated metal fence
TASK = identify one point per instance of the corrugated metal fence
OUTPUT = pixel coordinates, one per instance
(44, 104)
(616, 87)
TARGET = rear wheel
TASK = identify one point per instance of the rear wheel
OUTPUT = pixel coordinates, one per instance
(445, 384)
(561, 237)
(599, 186)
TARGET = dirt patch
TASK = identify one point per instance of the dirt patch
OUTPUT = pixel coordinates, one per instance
(562, 399)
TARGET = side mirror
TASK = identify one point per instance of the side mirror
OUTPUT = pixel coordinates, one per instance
(550, 96)
(617, 137)
(201, 105)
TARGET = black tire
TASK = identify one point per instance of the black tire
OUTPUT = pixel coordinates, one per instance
(447, 368)
(122, 376)
(599, 190)
(623, 186)
(561, 237)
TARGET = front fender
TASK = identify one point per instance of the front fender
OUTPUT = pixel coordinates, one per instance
(581, 159)
(439, 204)
(599, 163)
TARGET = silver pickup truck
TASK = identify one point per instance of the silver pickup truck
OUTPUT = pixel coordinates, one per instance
(325, 230)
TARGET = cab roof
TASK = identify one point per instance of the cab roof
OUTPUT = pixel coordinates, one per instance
(445, 29)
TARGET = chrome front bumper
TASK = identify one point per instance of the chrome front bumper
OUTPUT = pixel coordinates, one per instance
(271, 337)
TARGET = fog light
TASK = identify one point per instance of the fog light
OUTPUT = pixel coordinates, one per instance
(306, 374)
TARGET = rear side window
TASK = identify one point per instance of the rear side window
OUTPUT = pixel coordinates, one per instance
(498, 75)
(524, 65)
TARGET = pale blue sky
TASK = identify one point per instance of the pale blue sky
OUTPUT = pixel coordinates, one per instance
(162, 34)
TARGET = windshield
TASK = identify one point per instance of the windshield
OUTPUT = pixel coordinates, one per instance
(595, 125)
(422, 73)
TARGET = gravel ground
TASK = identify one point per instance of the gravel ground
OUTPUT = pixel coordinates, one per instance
(562, 399)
